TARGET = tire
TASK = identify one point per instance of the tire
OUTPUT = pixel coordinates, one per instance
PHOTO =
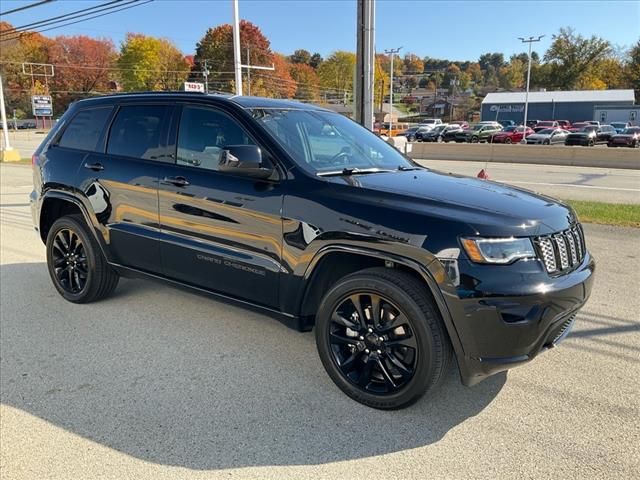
(439, 139)
(86, 276)
(475, 140)
(347, 355)
(591, 143)
(546, 142)
(508, 140)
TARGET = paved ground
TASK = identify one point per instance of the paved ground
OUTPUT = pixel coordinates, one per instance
(159, 383)
(574, 183)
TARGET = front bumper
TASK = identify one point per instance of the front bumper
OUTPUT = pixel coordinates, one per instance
(505, 316)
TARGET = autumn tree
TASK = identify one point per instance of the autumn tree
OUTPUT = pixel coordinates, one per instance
(307, 82)
(151, 63)
(300, 56)
(632, 69)
(337, 71)
(216, 50)
(572, 58)
(381, 81)
(412, 64)
(513, 75)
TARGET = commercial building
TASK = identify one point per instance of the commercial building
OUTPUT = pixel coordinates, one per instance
(560, 105)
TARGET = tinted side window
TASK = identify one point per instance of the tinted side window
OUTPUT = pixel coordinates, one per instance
(203, 134)
(135, 132)
(85, 128)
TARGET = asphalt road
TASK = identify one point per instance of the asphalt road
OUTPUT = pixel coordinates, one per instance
(159, 383)
(571, 183)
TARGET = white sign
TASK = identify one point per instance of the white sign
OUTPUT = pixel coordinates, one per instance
(507, 108)
(42, 105)
(193, 87)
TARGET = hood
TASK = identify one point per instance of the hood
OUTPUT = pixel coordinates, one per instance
(627, 136)
(489, 208)
(582, 134)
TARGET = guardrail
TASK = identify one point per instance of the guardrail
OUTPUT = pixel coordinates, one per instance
(628, 158)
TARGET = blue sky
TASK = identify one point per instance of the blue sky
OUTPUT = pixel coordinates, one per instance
(460, 30)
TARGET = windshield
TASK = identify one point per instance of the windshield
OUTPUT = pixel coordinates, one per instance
(322, 142)
(618, 124)
(510, 129)
(631, 131)
(591, 128)
(546, 131)
(439, 128)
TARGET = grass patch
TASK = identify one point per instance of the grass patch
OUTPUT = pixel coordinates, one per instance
(618, 214)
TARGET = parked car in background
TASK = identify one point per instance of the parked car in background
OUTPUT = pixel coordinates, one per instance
(539, 129)
(576, 127)
(620, 126)
(593, 122)
(449, 135)
(439, 133)
(478, 133)
(565, 124)
(396, 129)
(548, 124)
(430, 122)
(630, 137)
(591, 135)
(532, 123)
(410, 133)
(435, 131)
(512, 134)
(548, 136)
(461, 123)
(507, 123)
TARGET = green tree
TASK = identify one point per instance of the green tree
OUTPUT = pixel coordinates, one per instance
(572, 58)
(632, 69)
(513, 75)
(316, 60)
(151, 63)
(300, 56)
(337, 71)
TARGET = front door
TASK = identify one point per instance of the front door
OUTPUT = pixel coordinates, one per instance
(219, 231)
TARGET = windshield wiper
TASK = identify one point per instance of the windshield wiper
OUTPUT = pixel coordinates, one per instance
(402, 168)
(352, 171)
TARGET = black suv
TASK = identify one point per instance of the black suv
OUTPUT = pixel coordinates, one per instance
(302, 213)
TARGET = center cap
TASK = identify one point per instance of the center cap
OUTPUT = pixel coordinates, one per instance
(372, 340)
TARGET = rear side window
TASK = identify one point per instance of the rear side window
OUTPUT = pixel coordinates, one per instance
(135, 132)
(84, 130)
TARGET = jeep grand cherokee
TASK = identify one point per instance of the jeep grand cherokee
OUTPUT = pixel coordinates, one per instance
(302, 213)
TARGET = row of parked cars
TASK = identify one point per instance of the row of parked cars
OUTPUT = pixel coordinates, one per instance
(588, 133)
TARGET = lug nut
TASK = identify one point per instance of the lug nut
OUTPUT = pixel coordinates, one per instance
(361, 337)
(370, 330)
(379, 352)
(381, 339)
(366, 350)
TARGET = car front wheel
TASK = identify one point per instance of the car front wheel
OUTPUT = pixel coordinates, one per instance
(76, 264)
(381, 339)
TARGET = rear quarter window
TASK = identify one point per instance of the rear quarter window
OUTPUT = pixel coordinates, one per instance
(85, 128)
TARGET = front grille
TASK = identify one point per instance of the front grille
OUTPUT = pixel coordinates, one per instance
(562, 251)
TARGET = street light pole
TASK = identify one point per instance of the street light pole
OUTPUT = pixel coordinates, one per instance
(529, 40)
(392, 52)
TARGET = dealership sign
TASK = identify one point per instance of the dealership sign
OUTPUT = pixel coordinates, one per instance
(507, 108)
(193, 87)
(42, 105)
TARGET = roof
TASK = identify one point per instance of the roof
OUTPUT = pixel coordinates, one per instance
(601, 96)
(242, 101)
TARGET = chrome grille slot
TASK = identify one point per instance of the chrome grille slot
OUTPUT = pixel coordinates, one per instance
(561, 251)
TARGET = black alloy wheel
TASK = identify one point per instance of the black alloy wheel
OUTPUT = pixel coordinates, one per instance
(380, 338)
(372, 343)
(77, 267)
(70, 261)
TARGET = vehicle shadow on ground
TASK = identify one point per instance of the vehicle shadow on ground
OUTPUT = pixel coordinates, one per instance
(180, 379)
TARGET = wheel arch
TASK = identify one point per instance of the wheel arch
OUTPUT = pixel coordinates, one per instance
(55, 204)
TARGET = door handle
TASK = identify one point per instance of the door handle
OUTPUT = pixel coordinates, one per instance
(177, 181)
(94, 166)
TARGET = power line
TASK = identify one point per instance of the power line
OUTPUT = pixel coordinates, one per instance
(19, 9)
(137, 3)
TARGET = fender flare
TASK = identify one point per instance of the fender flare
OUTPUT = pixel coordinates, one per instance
(88, 215)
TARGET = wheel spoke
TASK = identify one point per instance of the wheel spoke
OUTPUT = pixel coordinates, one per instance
(401, 367)
(365, 375)
(397, 321)
(76, 279)
(375, 310)
(58, 246)
(64, 241)
(385, 373)
(350, 363)
(355, 299)
(345, 322)
(58, 262)
(408, 340)
(342, 340)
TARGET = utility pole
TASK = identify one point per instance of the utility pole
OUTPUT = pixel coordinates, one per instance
(392, 52)
(205, 73)
(237, 60)
(248, 73)
(364, 79)
(529, 40)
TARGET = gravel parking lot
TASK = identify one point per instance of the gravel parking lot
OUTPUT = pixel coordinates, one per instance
(161, 383)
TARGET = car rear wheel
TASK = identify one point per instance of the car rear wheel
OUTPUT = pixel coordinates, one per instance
(76, 265)
(591, 143)
(546, 142)
(507, 140)
(381, 339)
(475, 139)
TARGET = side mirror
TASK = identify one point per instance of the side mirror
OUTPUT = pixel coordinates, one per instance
(245, 160)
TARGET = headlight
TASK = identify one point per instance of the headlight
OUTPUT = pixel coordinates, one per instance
(498, 250)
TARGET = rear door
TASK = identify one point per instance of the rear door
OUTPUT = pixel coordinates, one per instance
(121, 183)
(220, 232)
